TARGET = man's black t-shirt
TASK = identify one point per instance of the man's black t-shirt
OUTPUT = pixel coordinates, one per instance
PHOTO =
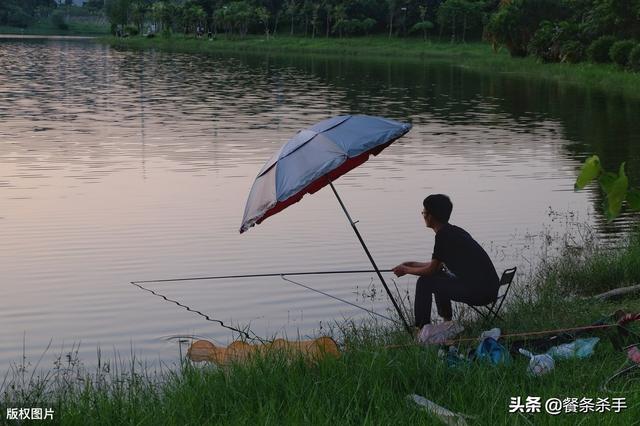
(464, 256)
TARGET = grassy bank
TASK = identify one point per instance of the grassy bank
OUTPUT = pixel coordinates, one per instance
(369, 383)
(48, 29)
(606, 77)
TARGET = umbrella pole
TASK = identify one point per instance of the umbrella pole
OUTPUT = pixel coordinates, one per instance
(366, 250)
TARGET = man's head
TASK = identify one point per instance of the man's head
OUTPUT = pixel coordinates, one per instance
(437, 210)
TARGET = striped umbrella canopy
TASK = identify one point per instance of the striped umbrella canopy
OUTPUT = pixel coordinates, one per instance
(313, 158)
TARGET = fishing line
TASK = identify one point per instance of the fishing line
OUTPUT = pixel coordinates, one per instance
(205, 316)
(337, 298)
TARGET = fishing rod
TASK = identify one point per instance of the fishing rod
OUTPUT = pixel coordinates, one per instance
(279, 274)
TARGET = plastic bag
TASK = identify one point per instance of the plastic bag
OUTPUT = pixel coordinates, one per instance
(437, 334)
(579, 348)
(490, 349)
(539, 364)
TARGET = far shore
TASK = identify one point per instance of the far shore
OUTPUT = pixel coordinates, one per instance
(46, 36)
(608, 78)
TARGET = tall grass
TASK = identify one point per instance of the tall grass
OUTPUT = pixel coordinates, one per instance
(593, 268)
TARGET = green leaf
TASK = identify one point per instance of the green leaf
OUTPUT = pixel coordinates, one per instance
(633, 199)
(606, 180)
(617, 194)
(591, 169)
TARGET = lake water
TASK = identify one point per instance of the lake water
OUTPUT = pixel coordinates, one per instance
(118, 166)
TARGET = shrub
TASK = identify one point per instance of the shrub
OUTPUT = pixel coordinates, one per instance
(131, 30)
(572, 51)
(598, 51)
(15, 16)
(555, 42)
(543, 43)
(58, 21)
(516, 22)
(634, 58)
(620, 50)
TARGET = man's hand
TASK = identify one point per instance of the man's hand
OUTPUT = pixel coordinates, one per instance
(417, 268)
(400, 270)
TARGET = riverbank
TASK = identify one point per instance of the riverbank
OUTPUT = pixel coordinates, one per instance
(48, 29)
(480, 56)
(378, 368)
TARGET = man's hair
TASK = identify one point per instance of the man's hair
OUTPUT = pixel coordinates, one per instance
(439, 206)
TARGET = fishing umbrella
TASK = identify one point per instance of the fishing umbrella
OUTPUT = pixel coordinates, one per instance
(314, 158)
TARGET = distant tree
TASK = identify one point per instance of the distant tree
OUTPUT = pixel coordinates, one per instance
(262, 14)
(22, 13)
(236, 16)
(424, 25)
(117, 12)
(192, 15)
(164, 14)
(392, 6)
(58, 20)
(327, 7)
(139, 10)
(516, 22)
(340, 21)
(307, 11)
(460, 15)
(315, 18)
(291, 9)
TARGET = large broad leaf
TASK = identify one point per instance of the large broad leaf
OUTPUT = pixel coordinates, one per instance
(617, 194)
(606, 181)
(633, 199)
(591, 169)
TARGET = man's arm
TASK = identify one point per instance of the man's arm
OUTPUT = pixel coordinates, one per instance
(415, 264)
(417, 268)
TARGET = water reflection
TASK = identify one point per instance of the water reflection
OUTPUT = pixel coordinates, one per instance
(119, 165)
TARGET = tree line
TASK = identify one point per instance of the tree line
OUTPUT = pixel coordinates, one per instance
(552, 30)
(459, 20)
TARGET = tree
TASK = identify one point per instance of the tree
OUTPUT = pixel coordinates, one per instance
(236, 15)
(315, 19)
(117, 12)
(22, 13)
(138, 14)
(517, 21)
(392, 5)
(291, 9)
(423, 25)
(263, 16)
(460, 13)
(163, 14)
(192, 15)
(327, 6)
(340, 19)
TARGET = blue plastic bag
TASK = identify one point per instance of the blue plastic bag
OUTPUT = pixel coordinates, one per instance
(491, 350)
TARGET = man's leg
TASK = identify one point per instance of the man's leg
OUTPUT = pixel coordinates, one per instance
(446, 287)
(435, 284)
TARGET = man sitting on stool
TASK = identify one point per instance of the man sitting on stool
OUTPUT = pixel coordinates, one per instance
(459, 270)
